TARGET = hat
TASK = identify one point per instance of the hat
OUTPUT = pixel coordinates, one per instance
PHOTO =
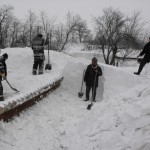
(94, 59)
(5, 55)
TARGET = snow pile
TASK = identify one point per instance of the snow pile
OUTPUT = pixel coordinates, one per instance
(118, 120)
(20, 76)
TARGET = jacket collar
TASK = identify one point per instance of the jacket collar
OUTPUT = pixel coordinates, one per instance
(94, 66)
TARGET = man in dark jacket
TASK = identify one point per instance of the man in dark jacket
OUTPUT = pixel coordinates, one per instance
(3, 73)
(91, 78)
(39, 57)
(146, 59)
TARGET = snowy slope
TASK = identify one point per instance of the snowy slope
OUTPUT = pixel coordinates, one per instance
(119, 120)
(20, 76)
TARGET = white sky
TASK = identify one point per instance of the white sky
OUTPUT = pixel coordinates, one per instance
(85, 8)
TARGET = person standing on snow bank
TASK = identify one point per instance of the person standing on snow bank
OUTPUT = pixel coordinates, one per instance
(146, 59)
(3, 73)
(92, 72)
(38, 50)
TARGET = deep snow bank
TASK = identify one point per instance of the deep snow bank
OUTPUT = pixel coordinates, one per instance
(19, 66)
(113, 82)
(121, 120)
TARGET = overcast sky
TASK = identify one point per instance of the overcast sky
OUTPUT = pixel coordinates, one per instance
(85, 8)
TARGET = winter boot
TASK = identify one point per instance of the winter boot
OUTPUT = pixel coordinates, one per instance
(86, 100)
(40, 73)
(34, 73)
(136, 73)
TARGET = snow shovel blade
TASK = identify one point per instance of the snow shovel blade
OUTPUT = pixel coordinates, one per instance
(89, 106)
(15, 89)
(11, 86)
(48, 67)
(80, 94)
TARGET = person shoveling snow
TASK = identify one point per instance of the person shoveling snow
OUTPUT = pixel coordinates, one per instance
(3, 73)
(91, 78)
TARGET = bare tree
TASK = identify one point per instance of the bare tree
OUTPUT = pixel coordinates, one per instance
(133, 36)
(31, 22)
(5, 19)
(59, 35)
(72, 23)
(109, 32)
(45, 21)
(24, 34)
(112, 29)
(48, 26)
(82, 31)
(15, 32)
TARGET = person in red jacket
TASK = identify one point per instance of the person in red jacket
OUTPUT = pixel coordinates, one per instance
(91, 78)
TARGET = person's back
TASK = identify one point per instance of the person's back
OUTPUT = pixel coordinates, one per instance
(38, 44)
(39, 57)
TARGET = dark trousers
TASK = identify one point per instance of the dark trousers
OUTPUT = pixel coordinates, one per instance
(142, 64)
(1, 91)
(38, 64)
(88, 89)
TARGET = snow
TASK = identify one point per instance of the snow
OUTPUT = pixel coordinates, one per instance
(119, 120)
(20, 76)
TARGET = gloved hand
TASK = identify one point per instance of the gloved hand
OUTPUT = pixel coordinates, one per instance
(138, 56)
(96, 71)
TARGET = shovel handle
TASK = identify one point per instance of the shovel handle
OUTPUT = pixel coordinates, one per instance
(94, 88)
(8, 83)
(11, 86)
(48, 50)
(82, 80)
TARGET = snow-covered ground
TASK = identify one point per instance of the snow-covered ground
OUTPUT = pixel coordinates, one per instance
(20, 76)
(79, 51)
(119, 120)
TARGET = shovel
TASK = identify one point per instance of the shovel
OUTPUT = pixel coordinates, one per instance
(80, 94)
(48, 65)
(11, 86)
